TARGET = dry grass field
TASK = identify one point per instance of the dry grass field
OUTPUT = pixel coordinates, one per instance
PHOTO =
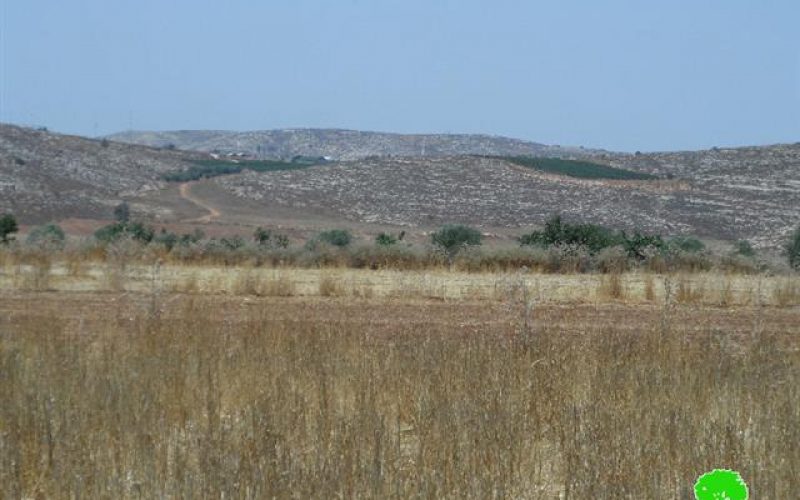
(125, 381)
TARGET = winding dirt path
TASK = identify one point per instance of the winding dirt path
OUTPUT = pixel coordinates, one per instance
(185, 191)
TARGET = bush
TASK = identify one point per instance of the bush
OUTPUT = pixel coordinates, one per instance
(166, 238)
(793, 249)
(687, 244)
(268, 238)
(452, 238)
(8, 226)
(556, 232)
(191, 238)
(232, 243)
(745, 249)
(47, 236)
(135, 230)
(640, 246)
(336, 237)
(385, 240)
(122, 212)
(612, 260)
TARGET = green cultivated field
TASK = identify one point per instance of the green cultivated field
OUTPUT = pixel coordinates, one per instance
(202, 169)
(575, 168)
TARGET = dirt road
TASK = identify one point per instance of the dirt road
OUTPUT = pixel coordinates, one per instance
(185, 191)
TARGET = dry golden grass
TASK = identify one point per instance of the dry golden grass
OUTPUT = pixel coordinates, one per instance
(612, 287)
(155, 395)
(122, 275)
(649, 289)
(787, 292)
(331, 286)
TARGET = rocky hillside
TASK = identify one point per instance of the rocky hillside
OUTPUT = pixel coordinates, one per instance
(45, 176)
(342, 144)
(744, 193)
(757, 199)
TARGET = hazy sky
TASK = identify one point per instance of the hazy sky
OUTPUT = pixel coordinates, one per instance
(627, 75)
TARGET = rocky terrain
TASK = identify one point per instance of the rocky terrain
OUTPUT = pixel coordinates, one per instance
(744, 193)
(45, 176)
(342, 144)
(751, 192)
(495, 193)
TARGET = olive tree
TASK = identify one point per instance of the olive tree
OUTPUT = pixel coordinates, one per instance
(451, 238)
(8, 226)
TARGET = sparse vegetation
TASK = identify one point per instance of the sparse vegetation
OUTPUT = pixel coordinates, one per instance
(335, 237)
(137, 231)
(385, 239)
(640, 246)
(8, 226)
(337, 248)
(48, 236)
(203, 169)
(687, 244)
(122, 212)
(745, 249)
(269, 238)
(453, 238)
(577, 168)
(793, 249)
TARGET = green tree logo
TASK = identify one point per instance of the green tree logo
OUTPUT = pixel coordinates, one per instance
(720, 484)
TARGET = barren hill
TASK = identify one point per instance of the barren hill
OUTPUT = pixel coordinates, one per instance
(745, 193)
(46, 176)
(757, 200)
(341, 144)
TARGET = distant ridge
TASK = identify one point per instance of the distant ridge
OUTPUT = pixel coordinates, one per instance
(745, 193)
(343, 144)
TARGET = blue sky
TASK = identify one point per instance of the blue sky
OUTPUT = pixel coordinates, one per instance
(625, 75)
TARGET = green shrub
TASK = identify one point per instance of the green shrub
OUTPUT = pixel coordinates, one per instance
(385, 239)
(793, 249)
(687, 244)
(134, 230)
(744, 248)
(268, 238)
(47, 236)
(8, 226)
(191, 238)
(451, 238)
(232, 243)
(140, 232)
(122, 212)
(111, 232)
(166, 238)
(558, 232)
(640, 246)
(593, 238)
(336, 237)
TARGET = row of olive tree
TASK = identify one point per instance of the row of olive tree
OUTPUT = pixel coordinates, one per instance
(449, 239)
